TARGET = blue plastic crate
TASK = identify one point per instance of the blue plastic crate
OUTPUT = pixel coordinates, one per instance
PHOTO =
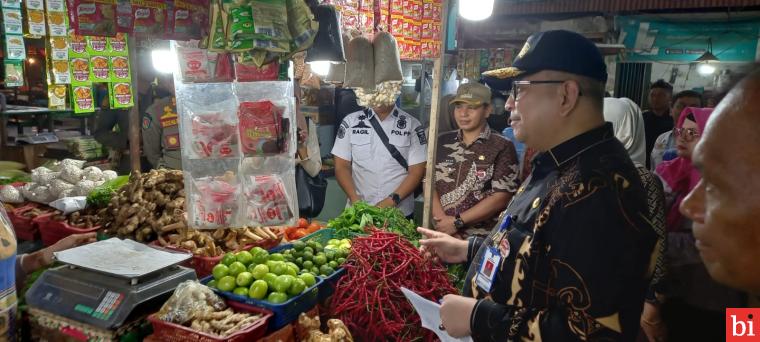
(284, 313)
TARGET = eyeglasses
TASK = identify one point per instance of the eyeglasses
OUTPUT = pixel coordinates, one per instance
(689, 134)
(515, 85)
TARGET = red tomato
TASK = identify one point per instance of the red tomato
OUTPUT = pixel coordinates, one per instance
(303, 223)
(313, 228)
(299, 234)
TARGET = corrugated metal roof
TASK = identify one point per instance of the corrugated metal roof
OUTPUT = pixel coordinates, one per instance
(610, 6)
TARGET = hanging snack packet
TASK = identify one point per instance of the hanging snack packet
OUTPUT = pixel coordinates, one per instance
(121, 95)
(217, 32)
(150, 18)
(214, 136)
(78, 45)
(14, 73)
(14, 47)
(82, 101)
(117, 46)
(36, 5)
(193, 64)
(260, 128)
(57, 97)
(250, 72)
(80, 70)
(91, 17)
(189, 18)
(12, 23)
(96, 45)
(119, 69)
(213, 202)
(270, 21)
(16, 4)
(55, 6)
(99, 70)
(266, 201)
(301, 24)
(240, 33)
(59, 49)
(57, 24)
(60, 72)
(124, 19)
(35, 20)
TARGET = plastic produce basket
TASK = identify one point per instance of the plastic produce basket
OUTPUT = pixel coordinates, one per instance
(23, 226)
(54, 231)
(170, 332)
(284, 313)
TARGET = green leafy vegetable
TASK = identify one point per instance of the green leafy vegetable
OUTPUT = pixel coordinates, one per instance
(101, 196)
(354, 218)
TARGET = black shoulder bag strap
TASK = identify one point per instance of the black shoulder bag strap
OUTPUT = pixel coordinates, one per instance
(384, 138)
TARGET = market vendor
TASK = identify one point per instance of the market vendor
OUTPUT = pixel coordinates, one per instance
(570, 257)
(160, 127)
(476, 170)
(380, 156)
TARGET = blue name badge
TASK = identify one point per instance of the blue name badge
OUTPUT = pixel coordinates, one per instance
(488, 267)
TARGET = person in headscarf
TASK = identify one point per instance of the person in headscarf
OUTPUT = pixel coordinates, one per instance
(695, 303)
(628, 125)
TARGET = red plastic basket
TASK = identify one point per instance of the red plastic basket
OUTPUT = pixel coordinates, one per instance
(170, 332)
(23, 226)
(53, 231)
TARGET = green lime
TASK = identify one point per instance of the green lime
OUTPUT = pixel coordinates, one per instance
(299, 261)
(236, 268)
(226, 283)
(293, 271)
(345, 246)
(220, 271)
(333, 264)
(260, 256)
(258, 289)
(308, 256)
(318, 246)
(333, 242)
(293, 265)
(228, 259)
(277, 298)
(320, 260)
(326, 270)
(330, 255)
(299, 245)
(341, 261)
(314, 270)
(298, 286)
(212, 283)
(244, 279)
(283, 282)
(277, 257)
(270, 278)
(307, 264)
(345, 241)
(309, 250)
(241, 291)
(270, 263)
(259, 271)
(308, 278)
(312, 244)
(279, 268)
(245, 257)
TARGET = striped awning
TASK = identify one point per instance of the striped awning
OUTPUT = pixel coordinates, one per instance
(506, 8)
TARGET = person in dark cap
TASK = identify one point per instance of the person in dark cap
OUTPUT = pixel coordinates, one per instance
(571, 257)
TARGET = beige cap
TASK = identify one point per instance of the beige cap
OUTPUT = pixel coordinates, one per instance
(474, 94)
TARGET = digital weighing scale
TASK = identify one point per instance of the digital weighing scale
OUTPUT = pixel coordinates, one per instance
(41, 138)
(81, 300)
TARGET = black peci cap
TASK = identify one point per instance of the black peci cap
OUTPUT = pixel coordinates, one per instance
(558, 50)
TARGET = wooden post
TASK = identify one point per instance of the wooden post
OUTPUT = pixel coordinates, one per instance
(435, 99)
(135, 140)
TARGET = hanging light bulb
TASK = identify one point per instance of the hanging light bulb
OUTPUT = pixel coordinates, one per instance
(321, 68)
(705, 69)
(476, 9)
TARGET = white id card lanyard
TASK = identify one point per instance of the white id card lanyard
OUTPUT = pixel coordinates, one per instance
(491, 260)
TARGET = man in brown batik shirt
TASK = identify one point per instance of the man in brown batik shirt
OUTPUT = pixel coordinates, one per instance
(476, 171)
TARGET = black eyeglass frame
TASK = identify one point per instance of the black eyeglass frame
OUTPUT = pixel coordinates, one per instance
(513, 92)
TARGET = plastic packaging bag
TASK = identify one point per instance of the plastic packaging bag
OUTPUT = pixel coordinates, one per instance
(266, 200)
(213, 201)
(387, 61)
(69, 205)
(189, 299)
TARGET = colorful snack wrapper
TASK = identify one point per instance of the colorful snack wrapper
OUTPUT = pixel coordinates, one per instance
(77, 45)
(60, 72)
(35, 20)
(16, 4)
(80, 70)
(12, 23)
(117, 46)
(57, 24)
(96, 45)
(14, 73)
(14, 47)
(120, 69)
(121, 95)
(214, 137)
(94, 17)
(55, 6)
(57, 97)
(82, 99)
(150, 18)
(99, 70)
(260, 128)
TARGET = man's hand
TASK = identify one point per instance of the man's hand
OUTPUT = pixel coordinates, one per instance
(652, 324)
(70, 241)
(386, 203)
(456, 313)
(445, 224)
(443, 246)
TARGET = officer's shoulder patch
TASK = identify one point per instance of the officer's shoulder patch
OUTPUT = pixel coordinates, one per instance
(146, 121)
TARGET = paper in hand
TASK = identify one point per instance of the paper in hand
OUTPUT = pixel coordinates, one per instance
(430, 315)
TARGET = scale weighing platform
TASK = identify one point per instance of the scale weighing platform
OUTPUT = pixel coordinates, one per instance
(125, 288)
